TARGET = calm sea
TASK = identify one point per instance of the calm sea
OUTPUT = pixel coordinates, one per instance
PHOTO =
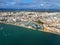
(14, 35)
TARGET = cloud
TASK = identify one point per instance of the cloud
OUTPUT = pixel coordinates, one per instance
(39, 4)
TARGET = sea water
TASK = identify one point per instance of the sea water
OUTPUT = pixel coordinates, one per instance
(14, 35)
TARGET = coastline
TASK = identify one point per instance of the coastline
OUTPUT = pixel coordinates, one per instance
(41, 21)
(31, 28)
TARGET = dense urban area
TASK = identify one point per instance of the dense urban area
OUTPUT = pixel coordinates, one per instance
(41, 21)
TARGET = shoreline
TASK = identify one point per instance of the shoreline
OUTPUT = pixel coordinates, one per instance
(31, 28)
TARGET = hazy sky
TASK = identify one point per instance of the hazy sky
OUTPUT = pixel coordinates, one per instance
(39, 4)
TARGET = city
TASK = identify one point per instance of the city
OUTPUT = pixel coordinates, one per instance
(41, 21)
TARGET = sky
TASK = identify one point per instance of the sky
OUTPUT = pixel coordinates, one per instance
(32, 4)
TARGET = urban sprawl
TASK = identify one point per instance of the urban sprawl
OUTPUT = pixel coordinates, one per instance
(41, 21)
